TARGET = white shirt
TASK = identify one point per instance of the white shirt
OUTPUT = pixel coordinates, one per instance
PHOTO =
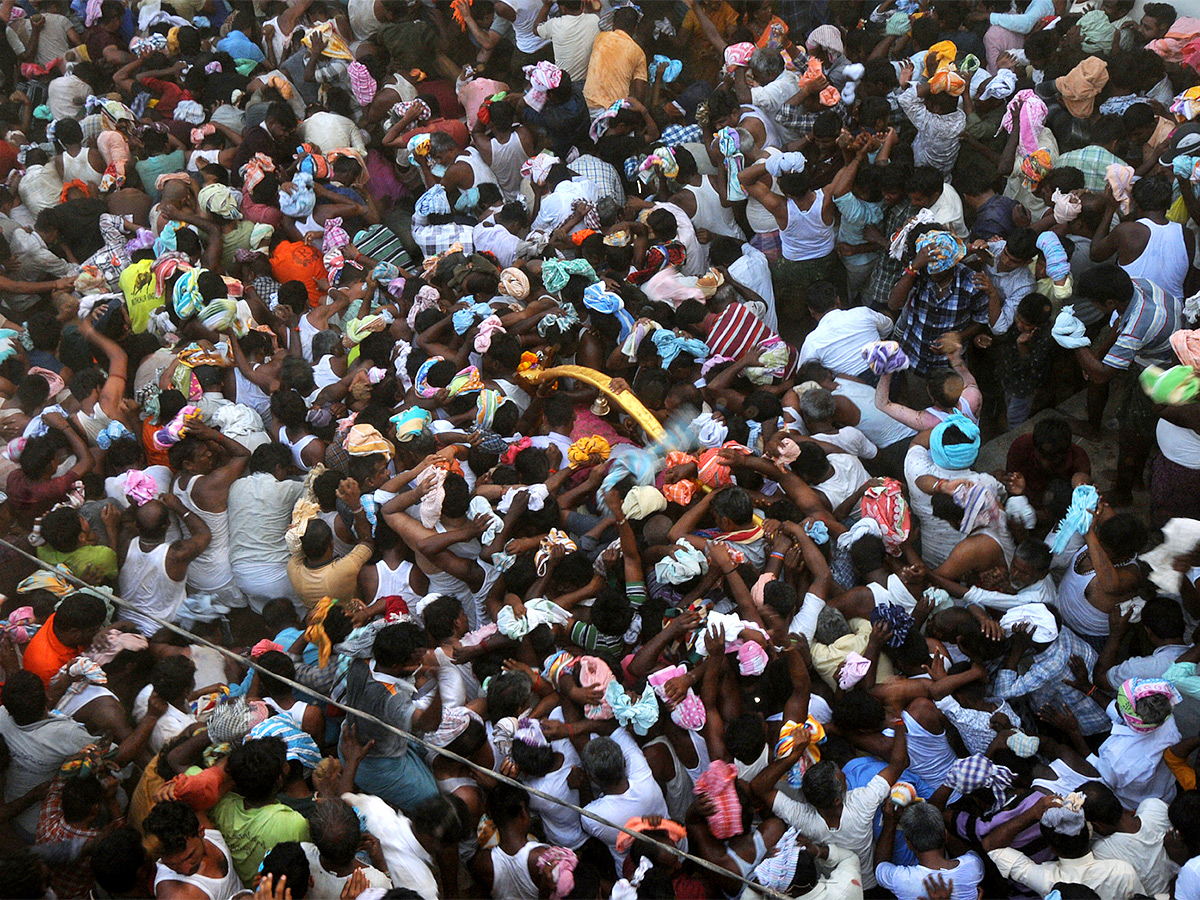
(1144, 849)
(948, 210)
(852, 441)
(1112, 879)
(770, 97)
(572, 37)
(66, 96)
(329, 131)
(1187, 886)
(1042, 591)
(1132, 764)
(561, 441)
(938, 537)
(908, 882)
(848, 475)
(855, 831)
(643, 798)
(840, 336)
(754, 271)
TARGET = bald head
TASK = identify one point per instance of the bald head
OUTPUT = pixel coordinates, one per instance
(152, 519)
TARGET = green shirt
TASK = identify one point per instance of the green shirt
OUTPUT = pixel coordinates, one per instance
(102, 557)
(141, 297)
(251, 833)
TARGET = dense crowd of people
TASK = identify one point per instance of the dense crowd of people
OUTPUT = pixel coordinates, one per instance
(531, 449)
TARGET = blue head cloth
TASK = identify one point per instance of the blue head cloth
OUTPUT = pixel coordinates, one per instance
(955, 456)
(464, 318)
(670, 345)
(300, 203)
(598, 300)
(817, 531)
(642, 714)
(1084, 500)
(300, 747)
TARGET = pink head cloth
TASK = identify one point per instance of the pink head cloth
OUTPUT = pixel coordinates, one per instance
(140, 487)
(487, 329)
(718, 784)
(752, 658)
(265, 646)
(1033, 115)
(594, 672)
(853, 669)
(1186, 345)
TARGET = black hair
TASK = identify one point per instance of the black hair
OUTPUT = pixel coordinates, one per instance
(24, 696)
(172, 823)
(288, 859)
(396, 645)
(256, 767)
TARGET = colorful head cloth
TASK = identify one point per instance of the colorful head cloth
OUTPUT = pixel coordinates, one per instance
(945, 250)
(364, 440)
(557, 272)
(362, 85)
(1033, 115)
(718, 784)
(1035, 167)
(729, 145)
(538, 167)
(789, 733)
(976, 772)
(979, 505)
(1079, 87)
(300, 747)
(411, 422)
(778, 870)
(186, 297)
(514, 283)
(642, 714)
(1134, 690)
(954, 456)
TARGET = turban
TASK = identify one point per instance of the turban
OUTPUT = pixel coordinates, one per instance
(1079, 87)
(670, 345)
(186, 296)
(947, 80)
(1186, 345)
(1033, 115)
(189, 111)
(1022, 744)
(1187, 105)
(954, 456)
(895, 616)
(945, 250)
(940, 55)
(603, 121)
(852, 671)
(265, 646)
(778, 870)
(219, 314)
(675, 832)
(1066, 819)
(752, 658)
(1045, 627)
(662, 159)
(1068, 331)
(455, 720)
(301, 200)
(220, 201)
(599, 300)
(364, 440)
(489, 327)
(514, 283)
(1001, 86)
(977, 772)
(230, 721)
(1097, 31)
(538, 167)
(555, 538)
(729, 145)
(433, 202)
(898, 23)
(738, 55)
(642, 500)
(979, 505)
(557, 272)
(718, 784)
(642, 714)
(1133, 690)
(410, 422)
(884, 356)
(903, 794)
(1067, 208)
(486, 404)
(584, 448)
(559, 863)
(789, 733)
(683, 564)
(543, 77)
(362, 85)
(828, 38)
(300, 747)
(1078, 519)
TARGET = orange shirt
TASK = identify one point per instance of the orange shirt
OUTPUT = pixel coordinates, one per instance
(297, 261)
(46, 654)
(155, 455)
(616, 62)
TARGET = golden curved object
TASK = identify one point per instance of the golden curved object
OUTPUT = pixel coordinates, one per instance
(627, 400)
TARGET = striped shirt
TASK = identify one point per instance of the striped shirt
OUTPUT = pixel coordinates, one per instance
(737, 331)
(1147, 324)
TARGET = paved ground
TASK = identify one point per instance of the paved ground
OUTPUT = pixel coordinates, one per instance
(1103, 453)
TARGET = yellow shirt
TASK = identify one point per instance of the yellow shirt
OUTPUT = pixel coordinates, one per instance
(137, 284)
(616, 62)
(338, 579)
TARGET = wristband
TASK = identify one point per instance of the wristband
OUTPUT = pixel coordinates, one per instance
(1092, 691)
(775, 554)
(909, 270)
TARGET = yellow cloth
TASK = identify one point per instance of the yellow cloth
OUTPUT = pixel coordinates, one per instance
(315, 633)
(363, 440)
(335, 47)
(579, 452)
(940, 55)
(828, 658)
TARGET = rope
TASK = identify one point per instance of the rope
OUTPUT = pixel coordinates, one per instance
(441, 751)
